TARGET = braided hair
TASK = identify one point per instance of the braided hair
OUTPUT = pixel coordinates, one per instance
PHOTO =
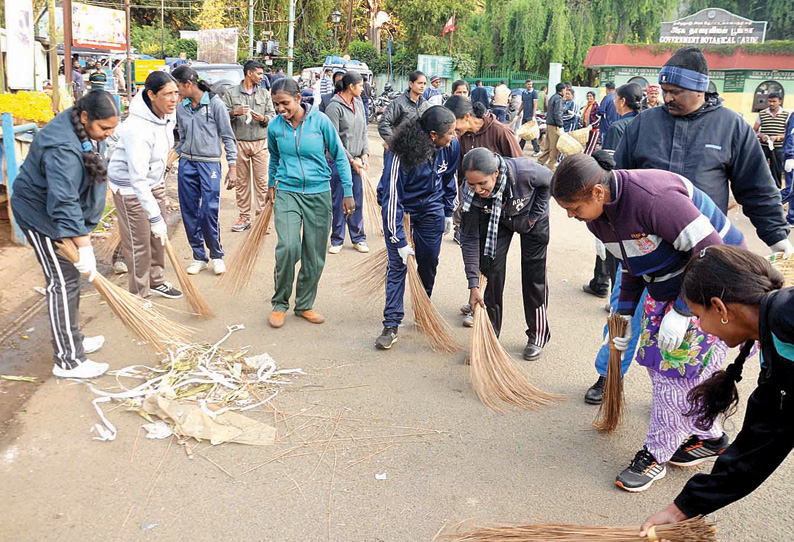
(97, 105)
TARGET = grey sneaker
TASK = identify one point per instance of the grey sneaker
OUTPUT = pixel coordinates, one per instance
(468, 320)
(387, 338)
(119, 267)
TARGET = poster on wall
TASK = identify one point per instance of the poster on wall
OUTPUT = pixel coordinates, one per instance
(99, 28)
(217, 46)
(19, 44)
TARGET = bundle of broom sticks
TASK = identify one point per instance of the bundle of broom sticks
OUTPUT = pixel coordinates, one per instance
(496, 379)
(611, 410)
(696, 529)
(243, 261)
(137, 315)
(371, 207)
(369, 275)
(192, 294)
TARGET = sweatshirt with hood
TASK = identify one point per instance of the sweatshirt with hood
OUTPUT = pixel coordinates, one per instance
(139, 158)
(297, 155)
(350, 121)
(53, 194)
(204, 129)
(494, 136)
(717, 150)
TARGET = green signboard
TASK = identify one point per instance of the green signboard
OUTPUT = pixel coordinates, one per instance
(607, 76)
(734, 81)
(435, 65)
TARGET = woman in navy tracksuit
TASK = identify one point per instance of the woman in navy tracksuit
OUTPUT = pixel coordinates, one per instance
(419, 178)
(60, 194)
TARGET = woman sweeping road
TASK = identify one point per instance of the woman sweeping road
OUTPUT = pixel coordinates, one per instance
(205, 130)
(419, 178)
(60, 194)
(349, 117)
(137, 180)
(737, 296)
(298, 139)
(653, 221)
(504, 196)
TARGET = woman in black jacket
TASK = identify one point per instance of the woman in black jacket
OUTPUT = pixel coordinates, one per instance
(60, 194)
(503, 196)
(628, 104)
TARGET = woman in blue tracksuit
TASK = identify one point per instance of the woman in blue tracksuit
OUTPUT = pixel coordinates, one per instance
(60, 194)
(204, 129)
(419, 178)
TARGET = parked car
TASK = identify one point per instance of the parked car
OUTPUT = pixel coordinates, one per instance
(220, 77)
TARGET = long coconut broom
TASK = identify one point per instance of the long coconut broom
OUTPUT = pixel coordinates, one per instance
(497, 381)
(373, 211)
(369, 275)
(243, 261)
(192, 294)
(111, 243)
(696, 529)
(145, 322)
(611, 410)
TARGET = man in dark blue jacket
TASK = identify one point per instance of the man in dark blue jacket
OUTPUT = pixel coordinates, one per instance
(479, 94)
(607, 111)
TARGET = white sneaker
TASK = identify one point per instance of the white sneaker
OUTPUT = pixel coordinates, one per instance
(218, 266)
(361, 247)
(87, 369)
(196, 267)
(92, 344)
(334, 249)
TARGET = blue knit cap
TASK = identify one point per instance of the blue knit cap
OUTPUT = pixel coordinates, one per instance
(688, 69)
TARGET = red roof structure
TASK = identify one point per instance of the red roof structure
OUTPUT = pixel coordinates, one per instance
(639, 56)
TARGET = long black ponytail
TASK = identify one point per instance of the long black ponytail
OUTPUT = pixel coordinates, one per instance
(733, 275)
(186, 74)
(97, 105)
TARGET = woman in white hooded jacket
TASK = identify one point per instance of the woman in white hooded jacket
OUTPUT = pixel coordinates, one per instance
(136, 175)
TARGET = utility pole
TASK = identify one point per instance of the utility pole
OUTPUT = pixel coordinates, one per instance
(291, 37)
(162, 29)
(128, 70)
(67, 41)
(349, 26)
(250, 28)
(53, 53)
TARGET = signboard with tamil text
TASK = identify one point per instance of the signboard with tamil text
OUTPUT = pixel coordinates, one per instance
(435, 65)
(713, 26)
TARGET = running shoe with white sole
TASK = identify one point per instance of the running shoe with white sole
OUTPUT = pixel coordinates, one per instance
(219, 266)
(361, 247)
(167, 290)
(640, 475)
(334, 249)
(695, 451)
(87, 369)
(387, 338)
(196, 267)
(92, 344)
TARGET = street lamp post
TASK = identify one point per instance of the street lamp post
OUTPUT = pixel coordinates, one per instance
(336, 18)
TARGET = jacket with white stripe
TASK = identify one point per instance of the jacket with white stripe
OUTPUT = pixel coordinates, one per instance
(654, 224)
(429, 187)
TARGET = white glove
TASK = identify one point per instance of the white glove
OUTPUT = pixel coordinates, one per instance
(404, 252)
(447, 225)
(789, 165)
(601, 249)
(672, 330)
(622, 343)
(783, 246)
(160, 231)
(770, 144)
(86, 262)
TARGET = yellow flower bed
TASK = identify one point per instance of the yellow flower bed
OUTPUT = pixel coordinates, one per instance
(27, 106)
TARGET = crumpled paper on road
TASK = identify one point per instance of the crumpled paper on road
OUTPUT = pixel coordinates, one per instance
(191, 421)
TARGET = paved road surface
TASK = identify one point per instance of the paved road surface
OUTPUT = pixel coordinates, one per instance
(408, 414)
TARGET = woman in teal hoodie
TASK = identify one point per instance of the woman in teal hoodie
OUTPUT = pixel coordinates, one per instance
(298, 139)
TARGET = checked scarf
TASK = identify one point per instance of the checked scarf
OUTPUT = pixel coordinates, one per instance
(496, 207)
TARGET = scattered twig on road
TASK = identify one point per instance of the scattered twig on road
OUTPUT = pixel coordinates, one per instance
(354, 463)
(159, 470)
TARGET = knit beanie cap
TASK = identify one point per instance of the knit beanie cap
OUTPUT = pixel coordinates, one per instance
(688, 69)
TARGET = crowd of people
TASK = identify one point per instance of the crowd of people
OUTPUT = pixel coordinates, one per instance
(670, 260)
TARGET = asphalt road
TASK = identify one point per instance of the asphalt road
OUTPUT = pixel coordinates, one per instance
(373, 446)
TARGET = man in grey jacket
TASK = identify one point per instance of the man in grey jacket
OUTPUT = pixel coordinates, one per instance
(250, 108)
(408, 105)
(549, 154)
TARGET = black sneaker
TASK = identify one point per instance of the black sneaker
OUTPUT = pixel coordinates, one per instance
(456, 236)
(695, 451)
(641, 473)
(588, 290)
(595, 393)
(532, 351)
(387, 338)
(166, 289)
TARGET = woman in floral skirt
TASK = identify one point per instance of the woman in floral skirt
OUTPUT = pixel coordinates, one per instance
(654, 221)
